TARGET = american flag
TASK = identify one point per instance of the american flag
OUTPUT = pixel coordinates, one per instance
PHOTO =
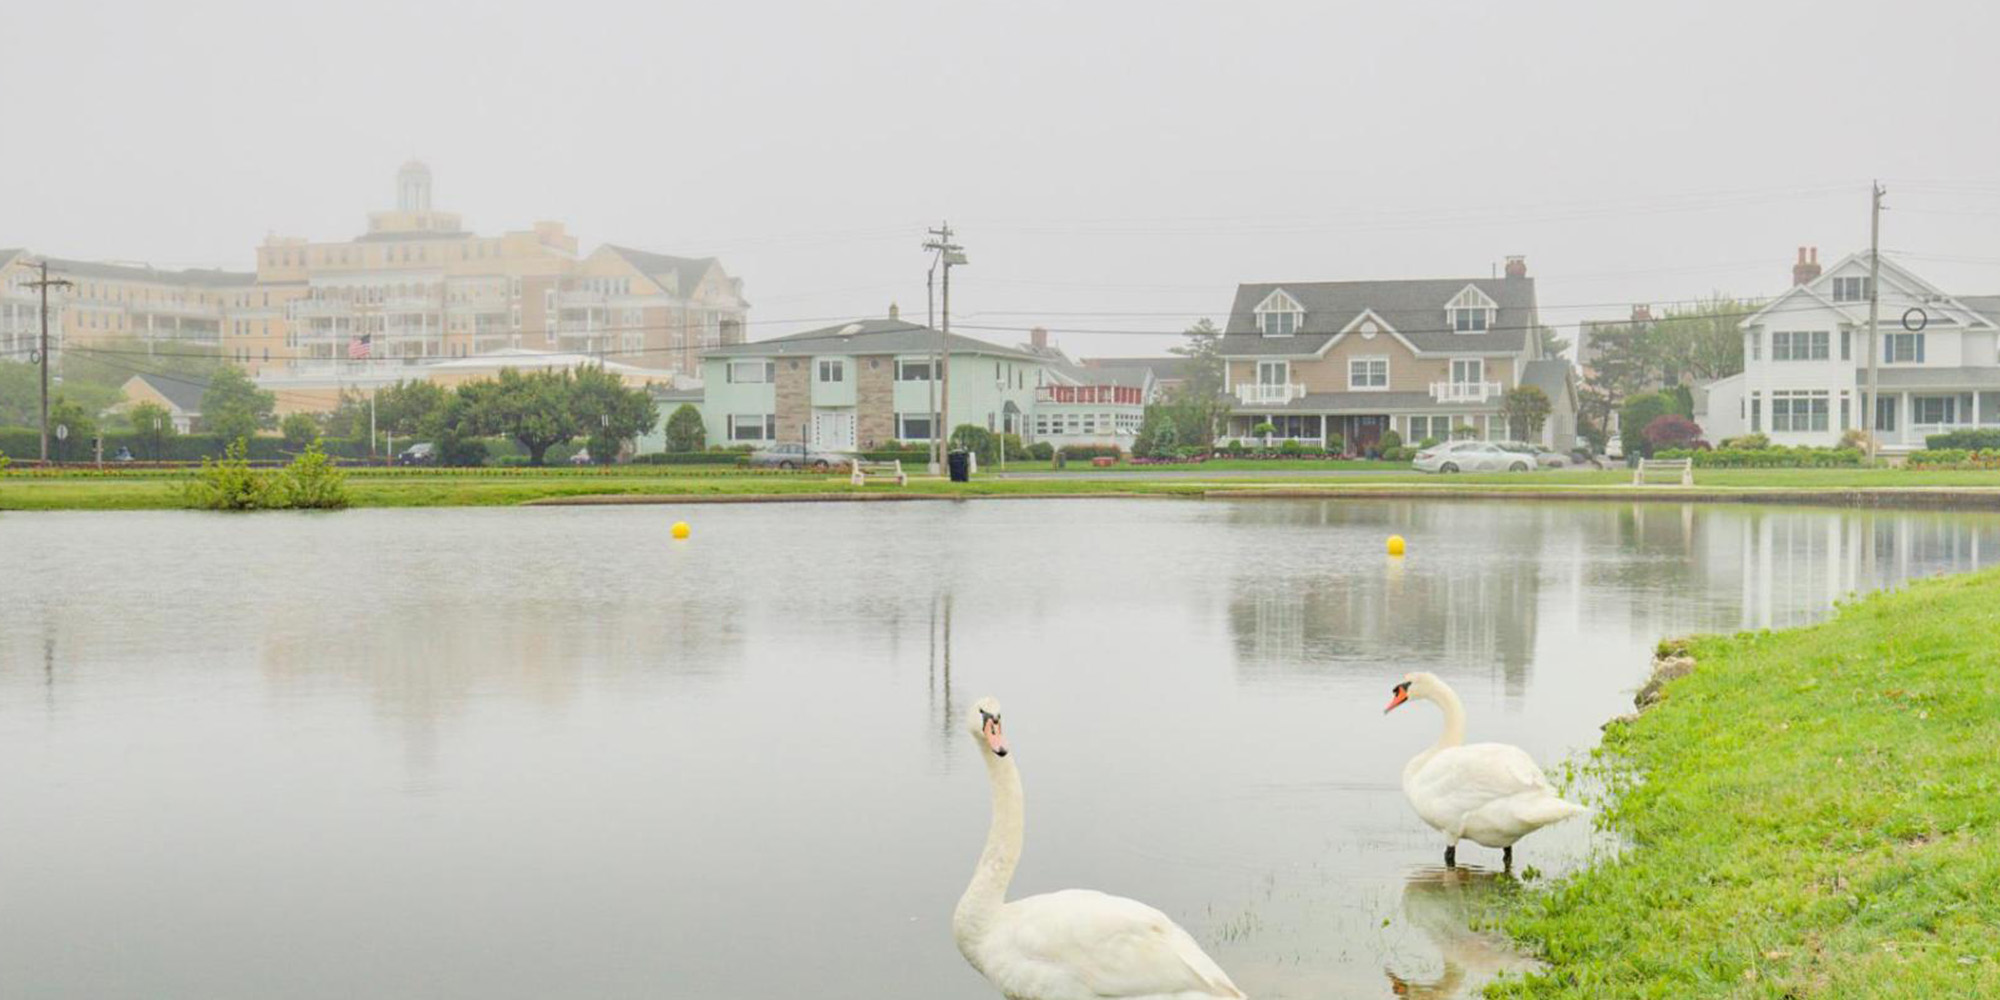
(357, 348)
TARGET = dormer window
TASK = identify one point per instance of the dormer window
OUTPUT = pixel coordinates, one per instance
(1280, 315)
(1471, 311)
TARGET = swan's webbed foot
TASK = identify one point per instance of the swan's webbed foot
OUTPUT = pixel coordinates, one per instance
(1451, 856)
(1507, 858)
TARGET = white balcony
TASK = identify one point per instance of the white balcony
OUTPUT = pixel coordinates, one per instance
(1466, 392)
(1269, 394)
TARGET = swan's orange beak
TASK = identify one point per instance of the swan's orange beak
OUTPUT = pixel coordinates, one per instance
(1401, 694)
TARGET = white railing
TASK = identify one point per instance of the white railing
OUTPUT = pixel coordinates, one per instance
(1464, 392)
(1266, 394)
(1919, 432)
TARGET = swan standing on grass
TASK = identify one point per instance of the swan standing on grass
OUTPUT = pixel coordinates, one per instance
(1076, 944)
(1489, 793)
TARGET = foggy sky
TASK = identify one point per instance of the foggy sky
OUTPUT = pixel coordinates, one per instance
(1108, 165)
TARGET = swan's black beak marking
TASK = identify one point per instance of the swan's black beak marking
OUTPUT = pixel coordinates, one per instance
(990, 725)
(1398, 695)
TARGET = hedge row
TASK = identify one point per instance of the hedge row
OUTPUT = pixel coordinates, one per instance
(1954, 458)
(26, 442)
(1766, 458)
(1978, 440)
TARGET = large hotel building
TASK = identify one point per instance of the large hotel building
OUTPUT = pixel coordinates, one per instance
(412, 292)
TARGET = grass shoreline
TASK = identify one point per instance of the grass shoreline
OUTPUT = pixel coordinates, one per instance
(1812, 813)
(140, 490)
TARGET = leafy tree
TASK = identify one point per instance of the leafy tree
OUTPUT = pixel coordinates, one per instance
(1200, 402)
(1526, 409)
(21, 395)
(233, 407)
(349, 418)
(1637, 413)
(1690, 345)
(685, 432)
(534, 409)
(411, 409)
(608, 412)
(75, 446)
(300, 431)
(1166, 442)
(154, 426)
(977, 440)
(1552, 344)
(1671, 430)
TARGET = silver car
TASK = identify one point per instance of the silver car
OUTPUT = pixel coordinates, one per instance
(798, 456)
(1471, 456)
(1544, 457)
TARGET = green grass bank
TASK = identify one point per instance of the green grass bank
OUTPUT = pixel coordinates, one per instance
(1813, 813)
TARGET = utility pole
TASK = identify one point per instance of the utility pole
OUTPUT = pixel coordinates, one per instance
(949, 253)
(930, 320)
(43, 284)
(1876, 192)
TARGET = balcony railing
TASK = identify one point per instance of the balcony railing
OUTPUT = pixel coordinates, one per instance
(1114, 394)
(1269, 394)
(1465, 392)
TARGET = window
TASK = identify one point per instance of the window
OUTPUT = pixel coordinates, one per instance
(1756, 345)
(1933, 409)
(1885, 413)
(1799, 345)
(1904, 347)
(1273, 372)
(1799, 411)
(1429, 427)
(913, 371)
(753, 426)
(745, 372)
(1368, 373)
(1279, 315)
(1847, 345)
(913, 426)
(1846, 412)
(1471, 311)
(1468, 370)
(832, 371)
(1756, 414)
(1854, 289)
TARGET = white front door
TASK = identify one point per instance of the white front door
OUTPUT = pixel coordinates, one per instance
(833, 430)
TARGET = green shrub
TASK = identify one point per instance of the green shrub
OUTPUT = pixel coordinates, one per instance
(1086, 452)
(977, 440)
(1752, 442)
(1954, 458)
(1236, 448)
(5, 461)
(230, 483)
(1983, 439)
(1264, 430)
(1335, 444)
(1290, 447)
(1637, 414)
(1464, 432)
(1042, 451)
(695, 458)
(312, 482)
(1767, 458)
(1390, 440)
(684, 431)
(1429, 442)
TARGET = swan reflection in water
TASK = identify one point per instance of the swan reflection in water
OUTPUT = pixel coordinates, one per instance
(1446, 905)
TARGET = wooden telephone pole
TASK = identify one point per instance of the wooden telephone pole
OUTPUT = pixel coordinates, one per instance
(43, 284)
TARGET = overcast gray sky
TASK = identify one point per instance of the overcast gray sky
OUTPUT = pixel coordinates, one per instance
(1108, 165)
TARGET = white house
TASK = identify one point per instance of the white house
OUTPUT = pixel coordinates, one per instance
(1805, 358)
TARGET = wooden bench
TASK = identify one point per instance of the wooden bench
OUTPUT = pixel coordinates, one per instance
(1683, 466)
(893, 467)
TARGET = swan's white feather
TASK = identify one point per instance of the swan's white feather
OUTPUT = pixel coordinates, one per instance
(1080, 944)
(1490, 793)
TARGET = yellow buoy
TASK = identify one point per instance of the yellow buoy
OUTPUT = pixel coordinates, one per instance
(1395, 545)
(681, 529)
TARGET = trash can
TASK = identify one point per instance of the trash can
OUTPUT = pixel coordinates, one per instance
(960, 464)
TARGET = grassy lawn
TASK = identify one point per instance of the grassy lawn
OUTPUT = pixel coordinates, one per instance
(1812, 813)
(143, 489)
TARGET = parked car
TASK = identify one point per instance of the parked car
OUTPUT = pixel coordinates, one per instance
(582, 457)
(1544, 458)
(124, 454)
(421, 453)
(798, 456)
(1471, 456)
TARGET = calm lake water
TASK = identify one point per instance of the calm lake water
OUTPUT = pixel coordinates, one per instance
(550, 752)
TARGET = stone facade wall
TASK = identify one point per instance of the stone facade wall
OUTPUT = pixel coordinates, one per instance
(794, 395)
(875, 400)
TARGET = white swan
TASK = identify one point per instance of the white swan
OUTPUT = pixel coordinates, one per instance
(1076, 944)
(1489, 793)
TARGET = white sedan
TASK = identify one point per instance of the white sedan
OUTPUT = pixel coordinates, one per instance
(1471, 456)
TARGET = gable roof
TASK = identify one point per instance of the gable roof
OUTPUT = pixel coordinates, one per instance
(183, 392)
(1987, 306)
(868, 336)
(1166, 369)
(1551, 375)
(686, 272)
(1415, 308)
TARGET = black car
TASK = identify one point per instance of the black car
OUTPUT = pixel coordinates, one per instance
(422, 453)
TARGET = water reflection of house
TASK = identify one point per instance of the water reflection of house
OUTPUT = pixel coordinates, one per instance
(1295, 617)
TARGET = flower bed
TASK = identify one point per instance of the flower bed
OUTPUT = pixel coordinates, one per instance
(1954, 458)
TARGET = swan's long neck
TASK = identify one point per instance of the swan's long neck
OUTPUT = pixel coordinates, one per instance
(1454, 728)
(988, 889)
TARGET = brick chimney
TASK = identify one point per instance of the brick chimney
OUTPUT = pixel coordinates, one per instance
(1039, 337)
(1642, 314)
(1517, 266)
(1807, 269)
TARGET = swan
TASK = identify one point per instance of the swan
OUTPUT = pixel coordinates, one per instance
(1489, 793)
(1076, 944)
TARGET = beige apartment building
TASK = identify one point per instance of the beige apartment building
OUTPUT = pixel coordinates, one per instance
(415, 289)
